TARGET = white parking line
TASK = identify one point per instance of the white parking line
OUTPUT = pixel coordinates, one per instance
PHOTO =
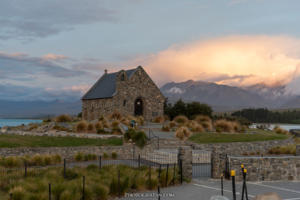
(213, 188)
(274, 187)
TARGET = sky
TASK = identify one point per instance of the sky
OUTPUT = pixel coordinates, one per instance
(57, 49)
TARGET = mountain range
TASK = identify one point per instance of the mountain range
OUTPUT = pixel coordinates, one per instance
(227, 98)
(220, 97)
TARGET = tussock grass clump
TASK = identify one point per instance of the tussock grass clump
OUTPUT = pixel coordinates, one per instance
(202, 118)
(289, 149)
(100, 184)
(36, 160)
(181, 119)
(166, 128)
(98, 126)
(116, 116)
(183, 133)
(79, 156)
(63, 118)
(138, 137)
(114, 155)
(223, 125)
(159, 119)
(280, 130)
(91, 128)
(172, 124)
(81, 127)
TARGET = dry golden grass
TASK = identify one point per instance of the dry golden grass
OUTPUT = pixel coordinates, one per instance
(98, 126)
(116, 116)
(172, 124)
(63, 118)
(224, 126)
(280, 130)
(181, 119)
(91, 128)
(207, 126)
(288, 149)
(183, 133)
(159, 119)
(166, 128)
(81, 127)
(202, 118)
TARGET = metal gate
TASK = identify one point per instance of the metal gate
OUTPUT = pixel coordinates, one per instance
(201, 163)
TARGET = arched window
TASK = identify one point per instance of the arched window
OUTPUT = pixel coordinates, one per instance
(124, 103)
(123, 77)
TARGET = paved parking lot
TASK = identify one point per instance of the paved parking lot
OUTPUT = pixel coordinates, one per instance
(204, 189)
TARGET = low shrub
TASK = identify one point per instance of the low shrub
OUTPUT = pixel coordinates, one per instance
(114, 155)
(100, 192)
(289, 149)
(81, 126)
(138, 137)
(181, 119)
(172, 124)
(224, 126)
(18, 193)
(279, 130)
(183, 133)
(98, 126)
(60, 128)
(165, 128)
(202, 118)
(79, 156)
(91, 128)
(116, 116)
(63, 118)
(207, 126)
(90, 156)
(105, 155)
(159, 119)
(32, 127)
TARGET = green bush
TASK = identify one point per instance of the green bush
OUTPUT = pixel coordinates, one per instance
(79, 156)
(63, 118)
(114, 155)
(105, 155)
(18, 193)
(100, 192)
(138, 137)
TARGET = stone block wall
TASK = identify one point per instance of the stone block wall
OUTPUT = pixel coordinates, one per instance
(185, 155)
(271, 168)
(298, 150)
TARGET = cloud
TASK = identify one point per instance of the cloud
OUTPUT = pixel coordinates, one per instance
(41, 18)
(15, 64)
(234, 60)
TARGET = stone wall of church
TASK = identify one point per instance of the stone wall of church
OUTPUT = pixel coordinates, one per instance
(140, 85)
(93, 109)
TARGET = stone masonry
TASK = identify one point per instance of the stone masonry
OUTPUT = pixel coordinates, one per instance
(128, 89)
(271, 168)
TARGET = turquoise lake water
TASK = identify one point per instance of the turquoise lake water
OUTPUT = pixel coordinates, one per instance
(284, 126)
(17, 122)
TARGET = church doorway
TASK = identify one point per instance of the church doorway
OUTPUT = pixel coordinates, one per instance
(138, 107)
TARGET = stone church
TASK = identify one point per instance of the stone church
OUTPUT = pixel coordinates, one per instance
(130, 92)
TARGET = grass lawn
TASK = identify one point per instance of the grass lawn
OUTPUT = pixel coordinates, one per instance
(11, 141)
(204, 138)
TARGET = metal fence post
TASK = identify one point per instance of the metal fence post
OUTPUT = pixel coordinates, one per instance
(49, 191)
(222, 185)
(64, 168)
(25, 165)
(158, 191)
(100, 162)
(149, 178)
(233, 184)
(181, 172)
(174, 174)
(167, 175)
(139, 160)
(83, 188)
(119, 184)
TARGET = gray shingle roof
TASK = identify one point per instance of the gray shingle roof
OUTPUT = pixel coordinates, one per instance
(105, 87)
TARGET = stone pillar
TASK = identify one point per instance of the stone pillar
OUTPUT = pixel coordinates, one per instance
(298, 150)
(185, 154)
